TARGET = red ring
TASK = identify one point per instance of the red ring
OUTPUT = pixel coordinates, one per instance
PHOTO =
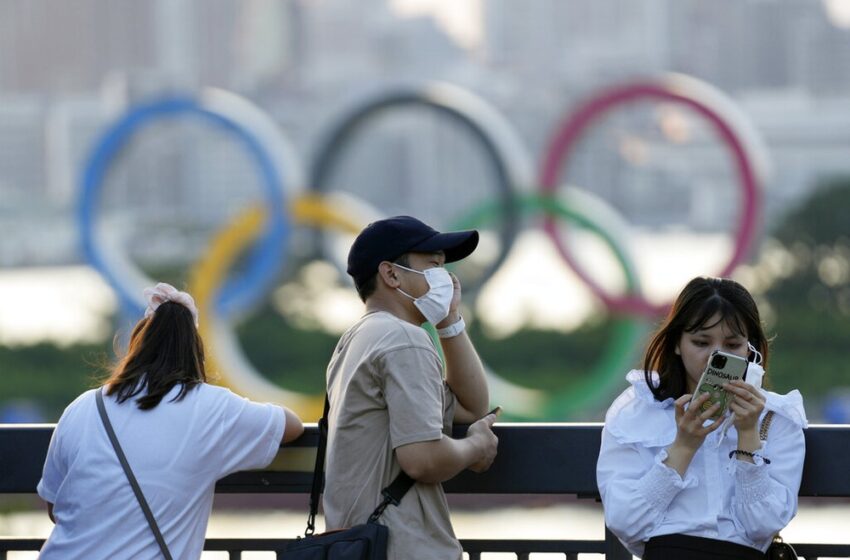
(673, 89)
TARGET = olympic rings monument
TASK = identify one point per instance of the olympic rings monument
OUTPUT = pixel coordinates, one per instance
(266, 228)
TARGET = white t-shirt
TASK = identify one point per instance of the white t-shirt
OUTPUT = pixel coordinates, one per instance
(177, 451)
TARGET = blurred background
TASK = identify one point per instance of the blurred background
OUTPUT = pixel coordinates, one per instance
(444, 109)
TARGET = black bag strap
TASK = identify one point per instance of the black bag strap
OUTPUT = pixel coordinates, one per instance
(392, 494)
(130, 476)
(318, 470)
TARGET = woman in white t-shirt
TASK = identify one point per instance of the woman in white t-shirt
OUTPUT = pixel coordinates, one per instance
(179, 434)
(676, 484)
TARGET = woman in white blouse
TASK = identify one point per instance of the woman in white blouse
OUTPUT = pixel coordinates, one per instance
(676, 484)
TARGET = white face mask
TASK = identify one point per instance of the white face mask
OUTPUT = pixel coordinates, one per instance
(755, 371)
(436, 302)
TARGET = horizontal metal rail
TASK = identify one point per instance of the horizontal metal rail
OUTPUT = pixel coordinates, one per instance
(474, 547)
(555, 459)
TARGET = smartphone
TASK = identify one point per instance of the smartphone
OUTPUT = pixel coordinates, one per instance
(495, 411)
(721, 368)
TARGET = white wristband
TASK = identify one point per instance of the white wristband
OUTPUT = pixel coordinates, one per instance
(452, 330)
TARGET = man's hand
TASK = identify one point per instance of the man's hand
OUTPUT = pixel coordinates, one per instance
(454, 313)
(441, 459)
(486, 442)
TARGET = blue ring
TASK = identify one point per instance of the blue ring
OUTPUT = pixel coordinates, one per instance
(264, 259)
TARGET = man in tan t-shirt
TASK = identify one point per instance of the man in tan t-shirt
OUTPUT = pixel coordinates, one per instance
(390, 408)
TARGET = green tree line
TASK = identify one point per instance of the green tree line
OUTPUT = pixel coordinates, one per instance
(807, 299)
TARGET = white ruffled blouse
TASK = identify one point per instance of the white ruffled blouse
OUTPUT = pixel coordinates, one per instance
(719, 498)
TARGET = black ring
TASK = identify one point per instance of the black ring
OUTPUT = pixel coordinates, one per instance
(343, 129)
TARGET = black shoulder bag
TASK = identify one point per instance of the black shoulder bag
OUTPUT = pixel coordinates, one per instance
(101, 409)
(367, 541)
(779, 549)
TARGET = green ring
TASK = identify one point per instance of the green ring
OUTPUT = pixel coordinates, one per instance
(627, 330)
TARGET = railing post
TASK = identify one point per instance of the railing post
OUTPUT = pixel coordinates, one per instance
(613, 549)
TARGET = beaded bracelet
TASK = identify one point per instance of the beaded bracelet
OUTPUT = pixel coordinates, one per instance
(748, 454)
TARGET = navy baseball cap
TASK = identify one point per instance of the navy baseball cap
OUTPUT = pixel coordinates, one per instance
(387, 240)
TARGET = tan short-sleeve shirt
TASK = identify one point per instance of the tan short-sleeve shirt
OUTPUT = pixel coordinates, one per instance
(386, 390)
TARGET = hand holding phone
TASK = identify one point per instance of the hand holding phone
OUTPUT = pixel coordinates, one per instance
(722, 368)
(489, 446)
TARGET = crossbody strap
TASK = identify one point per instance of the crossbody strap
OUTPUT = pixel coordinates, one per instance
(765, 425)
(318, 470)
(130, 476)
(392, 494)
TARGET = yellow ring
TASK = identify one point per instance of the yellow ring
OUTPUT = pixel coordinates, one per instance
(224, 356)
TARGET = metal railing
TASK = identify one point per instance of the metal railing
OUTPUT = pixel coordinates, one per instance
(546, 459)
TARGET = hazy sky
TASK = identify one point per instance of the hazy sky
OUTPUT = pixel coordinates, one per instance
(461, 19)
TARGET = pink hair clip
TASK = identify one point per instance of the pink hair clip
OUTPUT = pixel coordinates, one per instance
(163, 292)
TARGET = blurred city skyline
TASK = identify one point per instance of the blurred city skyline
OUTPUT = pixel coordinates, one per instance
(655, 177)
(66, 70)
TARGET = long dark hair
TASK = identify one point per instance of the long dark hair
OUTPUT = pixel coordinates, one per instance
(699, 302)
(165, 349)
